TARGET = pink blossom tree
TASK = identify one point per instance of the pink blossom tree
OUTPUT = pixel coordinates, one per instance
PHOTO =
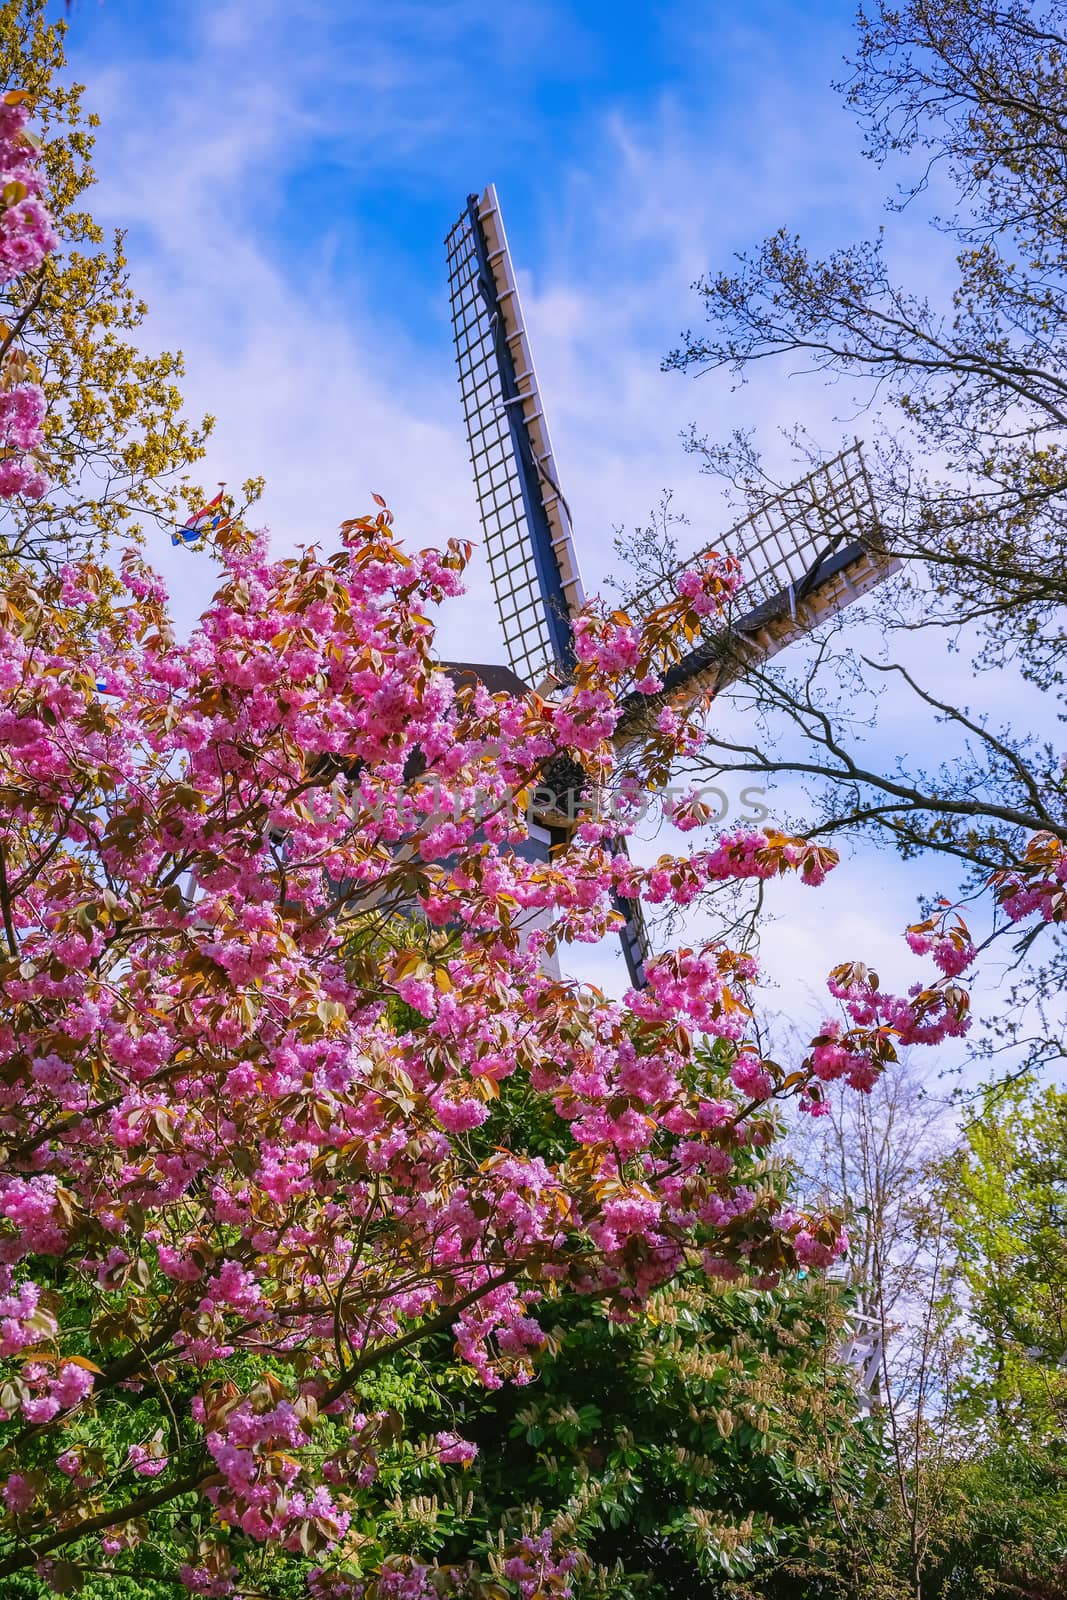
(266, 962)
(266, 959)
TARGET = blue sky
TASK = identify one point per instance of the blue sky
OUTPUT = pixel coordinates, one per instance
(385, 116)
(287, 173)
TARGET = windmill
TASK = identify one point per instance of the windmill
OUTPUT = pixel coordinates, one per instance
(806, 553)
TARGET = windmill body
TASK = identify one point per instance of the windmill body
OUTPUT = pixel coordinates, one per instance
(806, 554)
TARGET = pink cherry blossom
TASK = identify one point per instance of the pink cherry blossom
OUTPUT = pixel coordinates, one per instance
(454, 1451)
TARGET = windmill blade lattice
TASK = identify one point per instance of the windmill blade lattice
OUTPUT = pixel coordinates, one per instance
(805, 555)
(789, 538)
(532, 563)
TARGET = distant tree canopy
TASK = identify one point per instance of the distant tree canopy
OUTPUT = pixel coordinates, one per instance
(958, 1262)
(1006, 1194)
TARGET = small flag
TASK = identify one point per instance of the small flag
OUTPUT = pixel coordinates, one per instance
(201, 522)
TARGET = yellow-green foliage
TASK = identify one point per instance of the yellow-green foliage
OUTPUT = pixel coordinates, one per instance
(118, 446)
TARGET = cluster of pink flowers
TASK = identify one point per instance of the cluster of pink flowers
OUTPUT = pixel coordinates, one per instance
(407, 1580)
(21, 431)
(215, 1581)
(614, 646)
(927, 1015)
(27, 233)
(538, 1568)
(29, 1204)
(27, 236)
(1037, 885)
(23, 1321)
(452, 1451)
(952, 948)
(145, 1462)
(260, 1490)
(47, 1392)
(747, 853)
(813, 1252)
(22, 417)
(18, 1493)
(706, 588)
(750, 1076)
(702, 987)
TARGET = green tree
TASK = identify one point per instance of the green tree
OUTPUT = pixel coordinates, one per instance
(686, 1449)
(1006, 1193)
(118, 445)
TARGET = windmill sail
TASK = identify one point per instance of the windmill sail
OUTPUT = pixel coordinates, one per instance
(532, 563)
(805, 555)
